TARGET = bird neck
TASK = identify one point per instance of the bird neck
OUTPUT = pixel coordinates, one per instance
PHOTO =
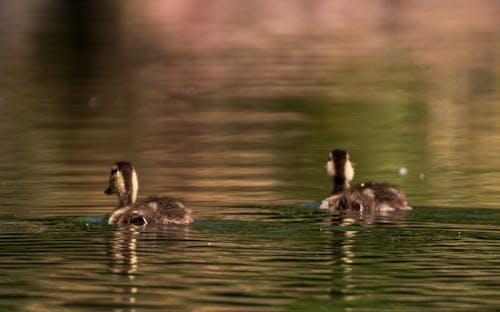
(125, 200)
(339, 184)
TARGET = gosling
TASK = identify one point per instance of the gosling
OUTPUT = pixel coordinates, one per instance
(152, 210)
(368, 196)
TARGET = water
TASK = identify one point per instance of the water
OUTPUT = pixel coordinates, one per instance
(274, 258)
(233, 107)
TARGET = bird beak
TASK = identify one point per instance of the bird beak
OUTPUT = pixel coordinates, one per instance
(108, 191)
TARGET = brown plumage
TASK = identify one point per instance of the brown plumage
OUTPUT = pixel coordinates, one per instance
(369, 196)
(153, 210)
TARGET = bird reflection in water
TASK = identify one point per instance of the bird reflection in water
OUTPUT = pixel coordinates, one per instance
(130, 248)
(347, 224)
(369, 218)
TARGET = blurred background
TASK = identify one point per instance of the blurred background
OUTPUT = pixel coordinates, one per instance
(239, 102)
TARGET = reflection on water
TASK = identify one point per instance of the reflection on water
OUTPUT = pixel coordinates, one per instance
(127, 246)
(123, 251)
(342, 279)
(278, 260)
(369, 218)
(123, 246)
(124, 261)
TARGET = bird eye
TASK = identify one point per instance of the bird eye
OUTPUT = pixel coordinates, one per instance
(113, 171)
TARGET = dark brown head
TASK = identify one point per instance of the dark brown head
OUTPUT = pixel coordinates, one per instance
(123, 182)
(339, 169)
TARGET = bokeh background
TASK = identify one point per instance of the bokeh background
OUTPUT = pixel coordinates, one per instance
(239, 102)
(233, 106)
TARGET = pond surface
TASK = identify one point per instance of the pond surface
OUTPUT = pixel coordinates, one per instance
(233, 107)
(275, 258)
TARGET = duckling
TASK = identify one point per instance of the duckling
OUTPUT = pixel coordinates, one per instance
(372, 196)
(153, 210)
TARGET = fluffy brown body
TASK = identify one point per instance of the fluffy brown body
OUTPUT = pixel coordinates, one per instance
(369, 196)
(153, 210)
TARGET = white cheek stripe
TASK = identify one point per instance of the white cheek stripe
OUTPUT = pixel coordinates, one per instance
(135, 186)
(349, 171)
(120, 183)
(330, 168)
